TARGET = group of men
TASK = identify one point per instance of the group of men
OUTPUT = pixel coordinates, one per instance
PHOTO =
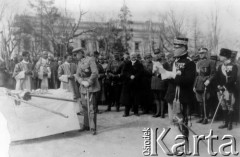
(174, 81)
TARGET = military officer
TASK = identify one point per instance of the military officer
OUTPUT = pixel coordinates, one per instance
(87, 76)
(226, 80)
(183, 76)
(113, 73)
(205, 74)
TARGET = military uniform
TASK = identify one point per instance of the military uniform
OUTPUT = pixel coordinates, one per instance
(113, 73)
(205, 72)
(87, 71)
(226, 79)
(183, 76)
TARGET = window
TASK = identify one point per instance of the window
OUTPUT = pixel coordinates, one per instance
(83, 44)
(137, 46)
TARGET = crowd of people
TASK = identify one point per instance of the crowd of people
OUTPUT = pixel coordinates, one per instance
(151, 84)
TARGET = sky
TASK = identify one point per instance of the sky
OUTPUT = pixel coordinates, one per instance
(143, 10)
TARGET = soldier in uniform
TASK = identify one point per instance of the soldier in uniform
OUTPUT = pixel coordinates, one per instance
(183, 76)
(113, 74)
(205, 74)
(237, 92)
(87, 76)
(226, 80)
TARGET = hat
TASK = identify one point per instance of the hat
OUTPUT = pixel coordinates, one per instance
(116, 53)
(96, 53)
(78, 49)
(180, 41)
(156, 51)
(202, 50)
(225, 53)
(147, 55)
(214, 57)
(25, 53)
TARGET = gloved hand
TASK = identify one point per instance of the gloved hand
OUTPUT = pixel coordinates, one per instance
(85, 84)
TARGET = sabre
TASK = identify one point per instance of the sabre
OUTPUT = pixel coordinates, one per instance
(88, 104)
(204, 103)
(194, 133)
(42, 108)
(219, 103)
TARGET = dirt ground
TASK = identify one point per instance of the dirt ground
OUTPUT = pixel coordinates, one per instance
(117, 137)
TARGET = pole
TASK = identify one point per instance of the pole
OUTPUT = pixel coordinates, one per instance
(88, 110)
(204, 103)
(220, 100)
(42, 108)
(54, 98)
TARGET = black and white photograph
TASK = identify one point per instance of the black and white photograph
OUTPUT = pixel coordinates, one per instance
(119, 78)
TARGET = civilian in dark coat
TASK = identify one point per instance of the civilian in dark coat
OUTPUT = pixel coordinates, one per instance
(146, 84)
(131, 74)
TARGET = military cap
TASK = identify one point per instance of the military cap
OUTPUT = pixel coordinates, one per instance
(202, 50)
(178, 41)
(25, 53)
(225, 53)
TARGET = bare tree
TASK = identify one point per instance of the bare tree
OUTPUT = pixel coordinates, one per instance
(170, 26)
(215, 29)
(58, 27)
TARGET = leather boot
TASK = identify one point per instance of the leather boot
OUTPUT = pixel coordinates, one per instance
(158, 109)
(162, 109)
(225, 125)
(230, 116)
(117, 107)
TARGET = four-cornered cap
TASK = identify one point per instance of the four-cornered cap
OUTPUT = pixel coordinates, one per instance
(225, 53)
(203, 50)
(180, 41)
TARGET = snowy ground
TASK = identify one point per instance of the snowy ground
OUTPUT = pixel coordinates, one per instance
(117, 137)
